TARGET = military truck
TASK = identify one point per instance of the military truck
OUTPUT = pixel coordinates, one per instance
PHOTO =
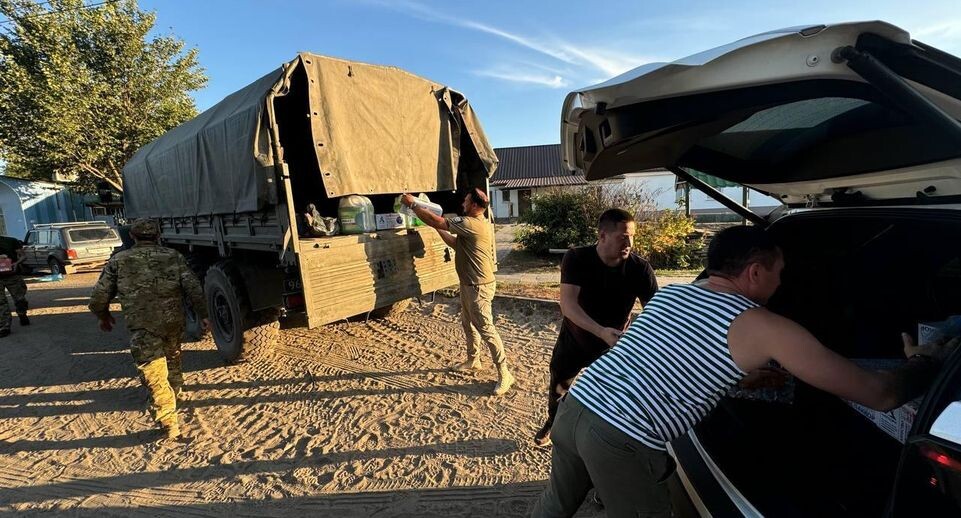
(228, 185)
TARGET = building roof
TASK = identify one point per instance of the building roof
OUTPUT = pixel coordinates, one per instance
(532, 166)
(551, 181)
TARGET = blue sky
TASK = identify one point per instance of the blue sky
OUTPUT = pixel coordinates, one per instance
(515, 60)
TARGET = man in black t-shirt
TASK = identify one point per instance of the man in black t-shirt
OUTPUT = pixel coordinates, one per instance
(599, 285)
(10, 280)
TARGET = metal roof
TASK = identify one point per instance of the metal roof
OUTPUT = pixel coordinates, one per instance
(529, 162)
(550, 181)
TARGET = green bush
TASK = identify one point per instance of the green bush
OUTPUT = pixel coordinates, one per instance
(562, 218)
(667, 240)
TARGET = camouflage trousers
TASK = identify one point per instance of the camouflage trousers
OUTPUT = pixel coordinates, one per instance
(159, 363)
(18, 290)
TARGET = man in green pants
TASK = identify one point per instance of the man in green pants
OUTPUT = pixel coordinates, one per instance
(151, 282)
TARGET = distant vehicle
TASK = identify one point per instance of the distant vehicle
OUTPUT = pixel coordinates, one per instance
(69, 247)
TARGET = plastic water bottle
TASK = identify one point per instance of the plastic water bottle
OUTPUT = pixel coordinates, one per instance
(429, 205)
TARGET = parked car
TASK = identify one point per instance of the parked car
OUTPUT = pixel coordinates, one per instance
(69, 247)
(854, 127)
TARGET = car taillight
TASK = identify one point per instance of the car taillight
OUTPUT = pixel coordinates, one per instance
(71, 253)
(941, 459)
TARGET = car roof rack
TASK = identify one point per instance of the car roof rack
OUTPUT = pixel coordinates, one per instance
(71, 224)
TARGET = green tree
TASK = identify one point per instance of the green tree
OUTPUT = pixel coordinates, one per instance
(82, 87)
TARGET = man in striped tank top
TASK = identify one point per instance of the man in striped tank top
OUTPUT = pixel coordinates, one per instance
(674, 363)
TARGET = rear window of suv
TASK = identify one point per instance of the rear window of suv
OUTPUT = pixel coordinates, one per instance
(91, 234)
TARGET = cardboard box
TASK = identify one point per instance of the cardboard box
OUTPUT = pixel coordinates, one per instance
(932, 331)
(390, 220)
(896, 423)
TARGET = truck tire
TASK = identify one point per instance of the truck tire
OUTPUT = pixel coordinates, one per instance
(238, 333)
(390, 310)
(263, 330)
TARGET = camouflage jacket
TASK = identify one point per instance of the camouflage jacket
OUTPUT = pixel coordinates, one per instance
(151, 282)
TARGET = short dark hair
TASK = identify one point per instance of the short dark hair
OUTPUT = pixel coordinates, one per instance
(479, 198)
(734, 248)
(613, 217)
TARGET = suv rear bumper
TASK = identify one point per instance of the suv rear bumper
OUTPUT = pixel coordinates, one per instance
(709, 490)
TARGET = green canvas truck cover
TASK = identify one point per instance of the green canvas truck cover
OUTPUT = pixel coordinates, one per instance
(376, 130)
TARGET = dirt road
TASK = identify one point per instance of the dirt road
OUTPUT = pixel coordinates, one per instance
(355, 419)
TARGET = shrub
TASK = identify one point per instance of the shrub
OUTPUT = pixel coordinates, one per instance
(561, 218)
(667, 240)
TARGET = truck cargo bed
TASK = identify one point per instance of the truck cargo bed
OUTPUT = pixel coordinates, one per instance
(348, 274)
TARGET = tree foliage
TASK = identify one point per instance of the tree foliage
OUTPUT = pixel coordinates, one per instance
(82, 88)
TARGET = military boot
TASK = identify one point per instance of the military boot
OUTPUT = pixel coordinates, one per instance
(504, 380)
(171, 430)
(469, 365)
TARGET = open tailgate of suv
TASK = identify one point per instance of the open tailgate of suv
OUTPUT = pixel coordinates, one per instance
(846, 114)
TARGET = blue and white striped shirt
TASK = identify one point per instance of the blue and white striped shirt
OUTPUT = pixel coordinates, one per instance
(669, 369)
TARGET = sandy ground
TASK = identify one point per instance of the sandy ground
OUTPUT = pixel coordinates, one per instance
(354, 419)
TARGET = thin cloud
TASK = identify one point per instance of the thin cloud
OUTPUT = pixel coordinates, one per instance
(607, 62)
(950, 29)
(549, 81)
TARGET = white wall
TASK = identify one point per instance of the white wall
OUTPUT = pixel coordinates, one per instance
(661, 185)
(501, 208)
(701, 201)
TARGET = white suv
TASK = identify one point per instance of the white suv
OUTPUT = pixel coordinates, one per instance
(855, 128)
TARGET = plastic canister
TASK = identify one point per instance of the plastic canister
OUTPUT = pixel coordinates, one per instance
(422, 201)
(356, 214)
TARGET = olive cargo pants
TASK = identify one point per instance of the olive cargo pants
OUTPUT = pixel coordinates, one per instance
(477, 317)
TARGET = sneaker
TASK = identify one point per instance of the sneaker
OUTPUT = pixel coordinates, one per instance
(24, 321)
(4, 332)
(543, 438)
(468, 365)
(504, 380)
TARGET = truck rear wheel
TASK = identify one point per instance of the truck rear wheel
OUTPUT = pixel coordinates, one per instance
(238, 333)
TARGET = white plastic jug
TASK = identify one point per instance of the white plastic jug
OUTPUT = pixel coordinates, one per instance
(356, 214)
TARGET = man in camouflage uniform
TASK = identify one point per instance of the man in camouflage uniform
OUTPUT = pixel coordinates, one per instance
(151, 282)
(12, 282)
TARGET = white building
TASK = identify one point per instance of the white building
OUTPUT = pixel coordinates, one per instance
(526, 171)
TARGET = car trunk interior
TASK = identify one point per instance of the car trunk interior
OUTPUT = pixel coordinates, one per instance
(856, 279)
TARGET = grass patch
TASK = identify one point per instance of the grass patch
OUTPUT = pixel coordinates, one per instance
(545, 290)
(678, 273)
(520, 261)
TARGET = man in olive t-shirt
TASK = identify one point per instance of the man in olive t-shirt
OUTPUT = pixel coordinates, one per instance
(472, 238)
